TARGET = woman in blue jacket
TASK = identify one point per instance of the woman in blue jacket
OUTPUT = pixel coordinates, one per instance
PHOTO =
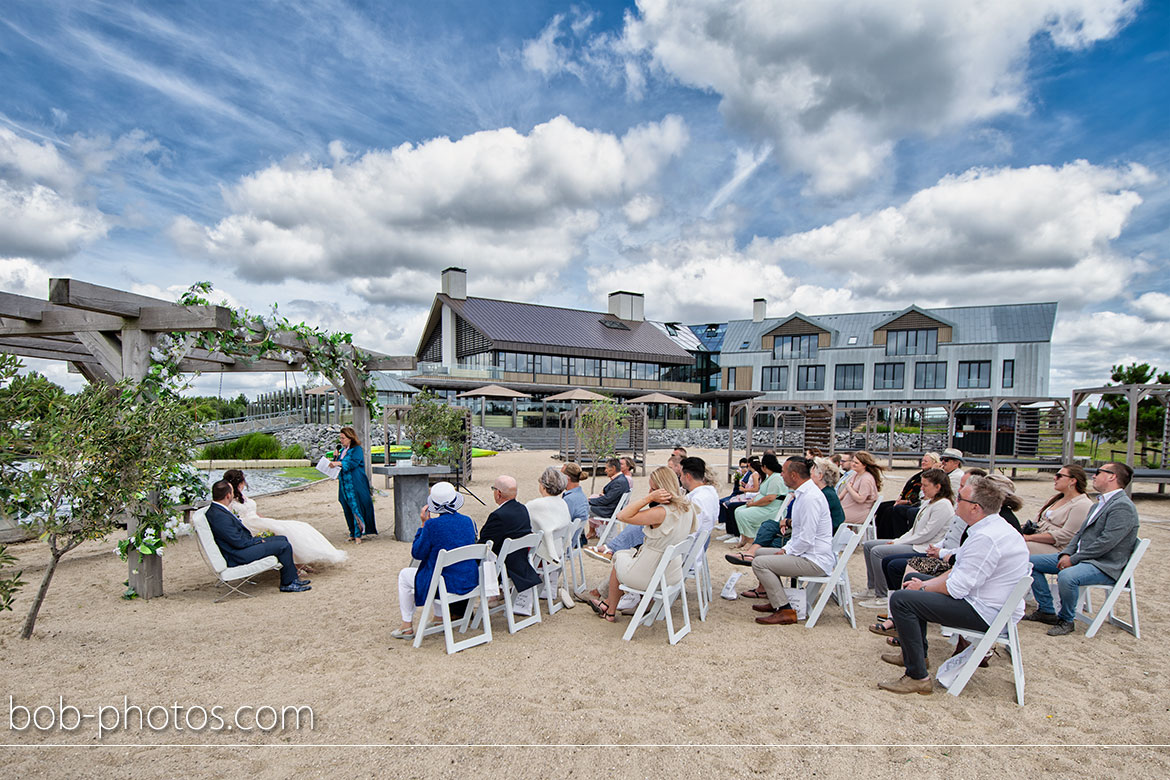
(353, 488)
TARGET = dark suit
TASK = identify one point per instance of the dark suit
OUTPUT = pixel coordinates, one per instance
(510, 521)
(610, 495)
(239, 546)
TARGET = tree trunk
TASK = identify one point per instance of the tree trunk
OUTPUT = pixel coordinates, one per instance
(31, 619)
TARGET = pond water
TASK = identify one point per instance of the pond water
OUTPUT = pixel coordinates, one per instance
(260, 481)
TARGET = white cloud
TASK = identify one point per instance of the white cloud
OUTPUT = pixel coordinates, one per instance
(1154, 305)
(24, 162)
(515, 207)
(835, 84)
(24, 277)
(1086, 345)
(642, 208)
(38, 222)
(987, 235)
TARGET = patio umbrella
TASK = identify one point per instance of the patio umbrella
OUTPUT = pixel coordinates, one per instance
(659, 398)
(493, 391)
(577, 394)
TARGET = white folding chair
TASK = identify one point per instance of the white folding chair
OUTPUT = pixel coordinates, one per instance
(612, 522)
(700, 571)
(574, 559)
(1002, 631)
(560, 540)
(508, 589)
(660, 595)
(1125, 584)
(227, 574)
(845, 541)
(438, 590)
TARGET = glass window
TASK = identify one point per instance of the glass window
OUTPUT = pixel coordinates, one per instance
(974, 374)
(1009, 373)
(585, 366)
(615, 369)
(810, 377)
(774, 378)
(788, 347)
(849, 377)
(889, 376)
(930, 376)
(923, 341)
(731, 379)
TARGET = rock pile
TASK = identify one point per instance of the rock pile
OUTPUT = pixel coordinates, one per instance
(317, 439)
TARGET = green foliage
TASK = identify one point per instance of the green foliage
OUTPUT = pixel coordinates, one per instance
(9, 583)
(252, 446)
(599, 426)
(74, 465)
(208, 408)
(436, 430)
(1111, 421)
(254, 337)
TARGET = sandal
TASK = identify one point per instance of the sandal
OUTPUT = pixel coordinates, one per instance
(755, 593)
(739, 560)
(402, 633)
(880, 629)
(894, 641)
(597, 604)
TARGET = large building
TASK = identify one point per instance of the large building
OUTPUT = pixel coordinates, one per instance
(911, 354)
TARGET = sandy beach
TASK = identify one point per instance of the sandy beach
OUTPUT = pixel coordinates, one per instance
(732, 699)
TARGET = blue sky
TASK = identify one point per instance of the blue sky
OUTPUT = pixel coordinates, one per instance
(834, 155)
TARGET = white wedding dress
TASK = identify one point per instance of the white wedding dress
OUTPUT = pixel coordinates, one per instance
(308, 544)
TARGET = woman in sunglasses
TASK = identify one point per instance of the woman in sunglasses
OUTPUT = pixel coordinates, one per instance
(1063, 515)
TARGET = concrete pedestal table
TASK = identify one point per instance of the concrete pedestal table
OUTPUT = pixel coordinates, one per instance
(411, 488)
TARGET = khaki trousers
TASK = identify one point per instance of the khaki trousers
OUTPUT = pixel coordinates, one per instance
(770, 567)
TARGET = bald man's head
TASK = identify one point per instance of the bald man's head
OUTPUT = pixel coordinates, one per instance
(504, 488)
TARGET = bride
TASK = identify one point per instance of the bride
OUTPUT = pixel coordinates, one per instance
(308, 544)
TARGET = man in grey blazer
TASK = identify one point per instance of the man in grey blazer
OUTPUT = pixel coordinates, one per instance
(1095, 556)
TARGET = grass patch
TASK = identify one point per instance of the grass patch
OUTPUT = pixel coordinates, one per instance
(302, 472)
(254, 446)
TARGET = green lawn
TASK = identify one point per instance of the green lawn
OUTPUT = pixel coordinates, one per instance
(302, 472)
(1110, 451)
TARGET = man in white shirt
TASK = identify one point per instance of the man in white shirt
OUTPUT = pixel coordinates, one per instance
(987, 566)
(809, 553)
(700, 492)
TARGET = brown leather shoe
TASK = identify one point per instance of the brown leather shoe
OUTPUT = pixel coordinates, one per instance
(907, 684)
(765, 607)
(896, 659)
(781, 617)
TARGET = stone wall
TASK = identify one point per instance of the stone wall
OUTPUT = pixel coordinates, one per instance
(705, 438)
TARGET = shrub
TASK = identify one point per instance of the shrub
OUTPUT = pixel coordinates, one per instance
(293, 452)
(253, 446)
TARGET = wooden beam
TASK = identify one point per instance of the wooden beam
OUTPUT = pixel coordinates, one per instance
(93, 297)
(393, 363)
(64, 322)
(183, 318)
(22, 307)
(108, 352)
(42, 344)
(192, 364)
(46, 354)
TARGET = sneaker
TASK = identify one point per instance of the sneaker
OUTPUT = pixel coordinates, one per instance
(600, 553)
(723, 537)
(731, 540)
(1061, 628)
(295, 588)
(567, 598)
(864, 594)
(1048, 618)
(874, 603)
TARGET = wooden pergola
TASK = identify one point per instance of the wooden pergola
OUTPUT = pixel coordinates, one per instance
(107, 335)
(812, 422)
(1135, 394)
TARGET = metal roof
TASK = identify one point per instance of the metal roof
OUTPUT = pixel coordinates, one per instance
(999, 324)
(530, 327)
(680, 334)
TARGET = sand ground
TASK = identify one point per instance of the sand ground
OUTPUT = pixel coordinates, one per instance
(732, 699)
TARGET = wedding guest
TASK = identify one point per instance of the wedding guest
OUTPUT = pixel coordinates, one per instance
(1062, 516)
(859, 492)
(353, 489)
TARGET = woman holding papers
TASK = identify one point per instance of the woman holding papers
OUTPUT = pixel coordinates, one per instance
(353, 489)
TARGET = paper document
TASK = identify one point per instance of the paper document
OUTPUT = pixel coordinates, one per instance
(329, 471)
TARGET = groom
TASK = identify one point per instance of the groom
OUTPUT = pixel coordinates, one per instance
(239, 546)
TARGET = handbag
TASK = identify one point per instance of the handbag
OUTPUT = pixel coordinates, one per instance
(927, 565)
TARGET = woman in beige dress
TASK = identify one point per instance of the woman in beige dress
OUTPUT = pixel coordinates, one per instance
(670, 522)
(1063, 515)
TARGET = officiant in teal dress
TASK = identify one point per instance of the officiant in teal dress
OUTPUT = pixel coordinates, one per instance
(353, 488)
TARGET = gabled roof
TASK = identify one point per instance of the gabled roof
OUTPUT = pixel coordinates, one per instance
(932, 314)
(1002, 324)
(529, 327)
(806, 319)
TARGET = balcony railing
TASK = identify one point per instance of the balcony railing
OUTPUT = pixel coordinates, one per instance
(500, 375)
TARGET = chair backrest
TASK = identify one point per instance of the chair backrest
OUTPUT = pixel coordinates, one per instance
(669, 554)
(1139, 549)
(842, 538)
(621, 504)
(697, 548)
(528, 541)
(207, 541)
(468, 552)
(999, 623)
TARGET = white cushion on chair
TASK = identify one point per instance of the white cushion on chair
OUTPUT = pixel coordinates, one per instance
(215, 557)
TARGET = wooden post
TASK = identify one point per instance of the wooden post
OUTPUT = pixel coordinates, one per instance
(995, 432)
(1134, 394)
(145, 570)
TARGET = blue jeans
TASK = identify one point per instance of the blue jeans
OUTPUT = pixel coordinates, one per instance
(1068, 581)
(630, 537)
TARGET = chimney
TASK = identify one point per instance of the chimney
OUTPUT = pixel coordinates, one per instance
(627, 306)
(759, 309)
(455, 283)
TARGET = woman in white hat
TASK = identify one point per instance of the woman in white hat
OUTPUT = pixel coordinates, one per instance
(443, 528)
